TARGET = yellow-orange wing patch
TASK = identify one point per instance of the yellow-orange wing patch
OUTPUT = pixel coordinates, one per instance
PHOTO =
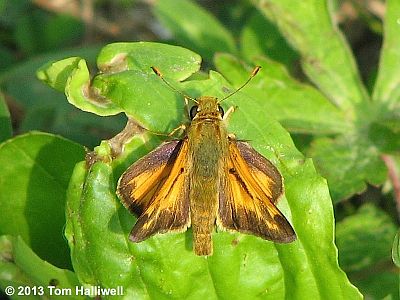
(155, 189)
(247, 195)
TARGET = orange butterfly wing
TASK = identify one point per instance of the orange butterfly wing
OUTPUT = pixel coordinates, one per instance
(248, 194)
(156, 189)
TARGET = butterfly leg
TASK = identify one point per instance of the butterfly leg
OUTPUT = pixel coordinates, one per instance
(181, 128)
(229, 112)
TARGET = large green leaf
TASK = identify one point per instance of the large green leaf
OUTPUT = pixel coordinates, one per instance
(242, 266)
(34, 175)
(387, 87)
(326, 57)
(22, 269)
(194, 27)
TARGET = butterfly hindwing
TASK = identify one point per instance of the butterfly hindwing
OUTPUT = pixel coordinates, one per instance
(156, 189)
(247, 195)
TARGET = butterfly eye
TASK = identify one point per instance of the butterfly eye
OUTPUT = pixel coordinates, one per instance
(193, 111)
(221, 110)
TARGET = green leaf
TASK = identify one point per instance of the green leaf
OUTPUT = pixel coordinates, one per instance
(379, 285)
(242, 266)
(174, 62)
(22, 267)
(328, 63)
(56, 74)
(127, 82)
(194, 27)
(5, 121)
(348, 162)
(78, 91)
(253, 42)
(297, 106)
(387, 89)
(364, 239)
(36, 168)
(385, 134)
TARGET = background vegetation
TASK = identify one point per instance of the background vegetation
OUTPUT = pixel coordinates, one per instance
(335, 89)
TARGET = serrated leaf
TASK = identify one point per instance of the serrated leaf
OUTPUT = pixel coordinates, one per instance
(298, 107)
(194, 27)
(36, 168)
(387, 84)
(20, 266)
(348, 162)
(5, 121)
(243, 266)
(329, 64)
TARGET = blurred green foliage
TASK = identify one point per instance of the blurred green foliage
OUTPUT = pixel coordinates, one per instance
(128, 84)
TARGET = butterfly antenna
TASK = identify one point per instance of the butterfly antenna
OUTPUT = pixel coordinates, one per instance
(253, 73)
(159, 74)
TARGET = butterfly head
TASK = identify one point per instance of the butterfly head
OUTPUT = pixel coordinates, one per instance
(206, 108)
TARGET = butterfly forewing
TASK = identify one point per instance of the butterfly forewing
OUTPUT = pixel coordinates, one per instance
(264, 172)
(247, 195)
(156, 189)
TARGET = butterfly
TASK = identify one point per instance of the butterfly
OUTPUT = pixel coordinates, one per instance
(206, 179)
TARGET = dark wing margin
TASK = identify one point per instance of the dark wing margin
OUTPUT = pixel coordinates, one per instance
(156, 189)
(247, 195)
